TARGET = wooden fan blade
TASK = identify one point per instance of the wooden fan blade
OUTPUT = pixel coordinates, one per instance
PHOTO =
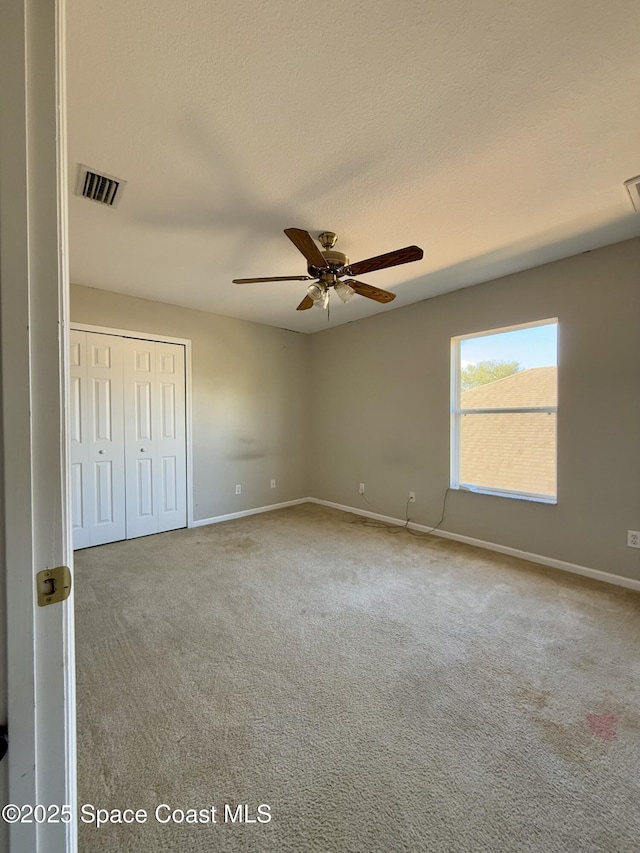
(391, 259)
(273, 278)
(370, 292)
(307, 302)
(304, 242)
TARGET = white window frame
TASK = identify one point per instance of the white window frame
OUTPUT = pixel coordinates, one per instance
(457, 412)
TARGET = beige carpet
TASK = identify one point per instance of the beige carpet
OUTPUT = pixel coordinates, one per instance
(379, 692)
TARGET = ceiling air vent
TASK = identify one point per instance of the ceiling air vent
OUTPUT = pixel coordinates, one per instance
(96, 186)
(633, 188)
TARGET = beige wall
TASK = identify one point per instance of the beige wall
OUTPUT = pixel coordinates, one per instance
(374, 395)
(380, 409)
(250, 398)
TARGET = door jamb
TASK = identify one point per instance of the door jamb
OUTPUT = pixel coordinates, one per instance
(35, 312)
(164, 339)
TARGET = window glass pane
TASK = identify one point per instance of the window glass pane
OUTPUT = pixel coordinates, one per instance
(537, 386)
(510, 369)
(514, 452)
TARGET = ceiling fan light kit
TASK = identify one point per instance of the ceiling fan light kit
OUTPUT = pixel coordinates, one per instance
(319, 294)
(344, 291)
(328, 267)
(315, 291)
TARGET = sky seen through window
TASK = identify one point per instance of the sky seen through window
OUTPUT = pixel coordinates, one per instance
(536, 346)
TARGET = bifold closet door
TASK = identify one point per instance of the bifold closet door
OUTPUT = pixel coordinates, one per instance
(97, 439)
(155, 457)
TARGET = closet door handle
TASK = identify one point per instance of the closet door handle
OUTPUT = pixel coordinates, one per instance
(101, 451)
(142, 450)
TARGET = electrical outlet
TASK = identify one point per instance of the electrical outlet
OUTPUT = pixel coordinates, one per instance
(361, 489)
(273, 484)
(238, 489)
(412, 497)
(633, 538)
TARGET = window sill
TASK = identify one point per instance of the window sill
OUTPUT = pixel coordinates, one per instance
(519, 496)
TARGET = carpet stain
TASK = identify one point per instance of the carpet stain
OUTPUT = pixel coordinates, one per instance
(240, 545)
(533, 697)
(604, 726)
(562, 741)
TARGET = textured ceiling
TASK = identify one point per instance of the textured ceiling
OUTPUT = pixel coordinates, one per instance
(495, 135)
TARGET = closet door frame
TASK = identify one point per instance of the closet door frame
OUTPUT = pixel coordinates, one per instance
(186, 343)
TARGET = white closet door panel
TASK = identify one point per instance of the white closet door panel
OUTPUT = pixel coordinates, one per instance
(101, 348)
(81, 533)
(97, 439)
(144, 488)
(104, 506)
(169, 495)
(168, 425)
(128, 436)
(140, 437)
(77, 343)
(75, 413)
(170, 415)
(104, 427)
(81, 484)
(102, 393)
(142, 411)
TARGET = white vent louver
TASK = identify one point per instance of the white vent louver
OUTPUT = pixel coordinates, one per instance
(633, 188)
(97, 186)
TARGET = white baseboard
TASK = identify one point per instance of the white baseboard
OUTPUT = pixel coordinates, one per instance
(202, 522)
(596, 574)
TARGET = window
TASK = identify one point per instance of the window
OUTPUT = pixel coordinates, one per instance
(503, 411)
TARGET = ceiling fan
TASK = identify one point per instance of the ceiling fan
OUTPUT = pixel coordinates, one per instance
(329, 267)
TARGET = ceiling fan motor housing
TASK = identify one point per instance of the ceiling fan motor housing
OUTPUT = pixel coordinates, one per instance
(337, 262)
